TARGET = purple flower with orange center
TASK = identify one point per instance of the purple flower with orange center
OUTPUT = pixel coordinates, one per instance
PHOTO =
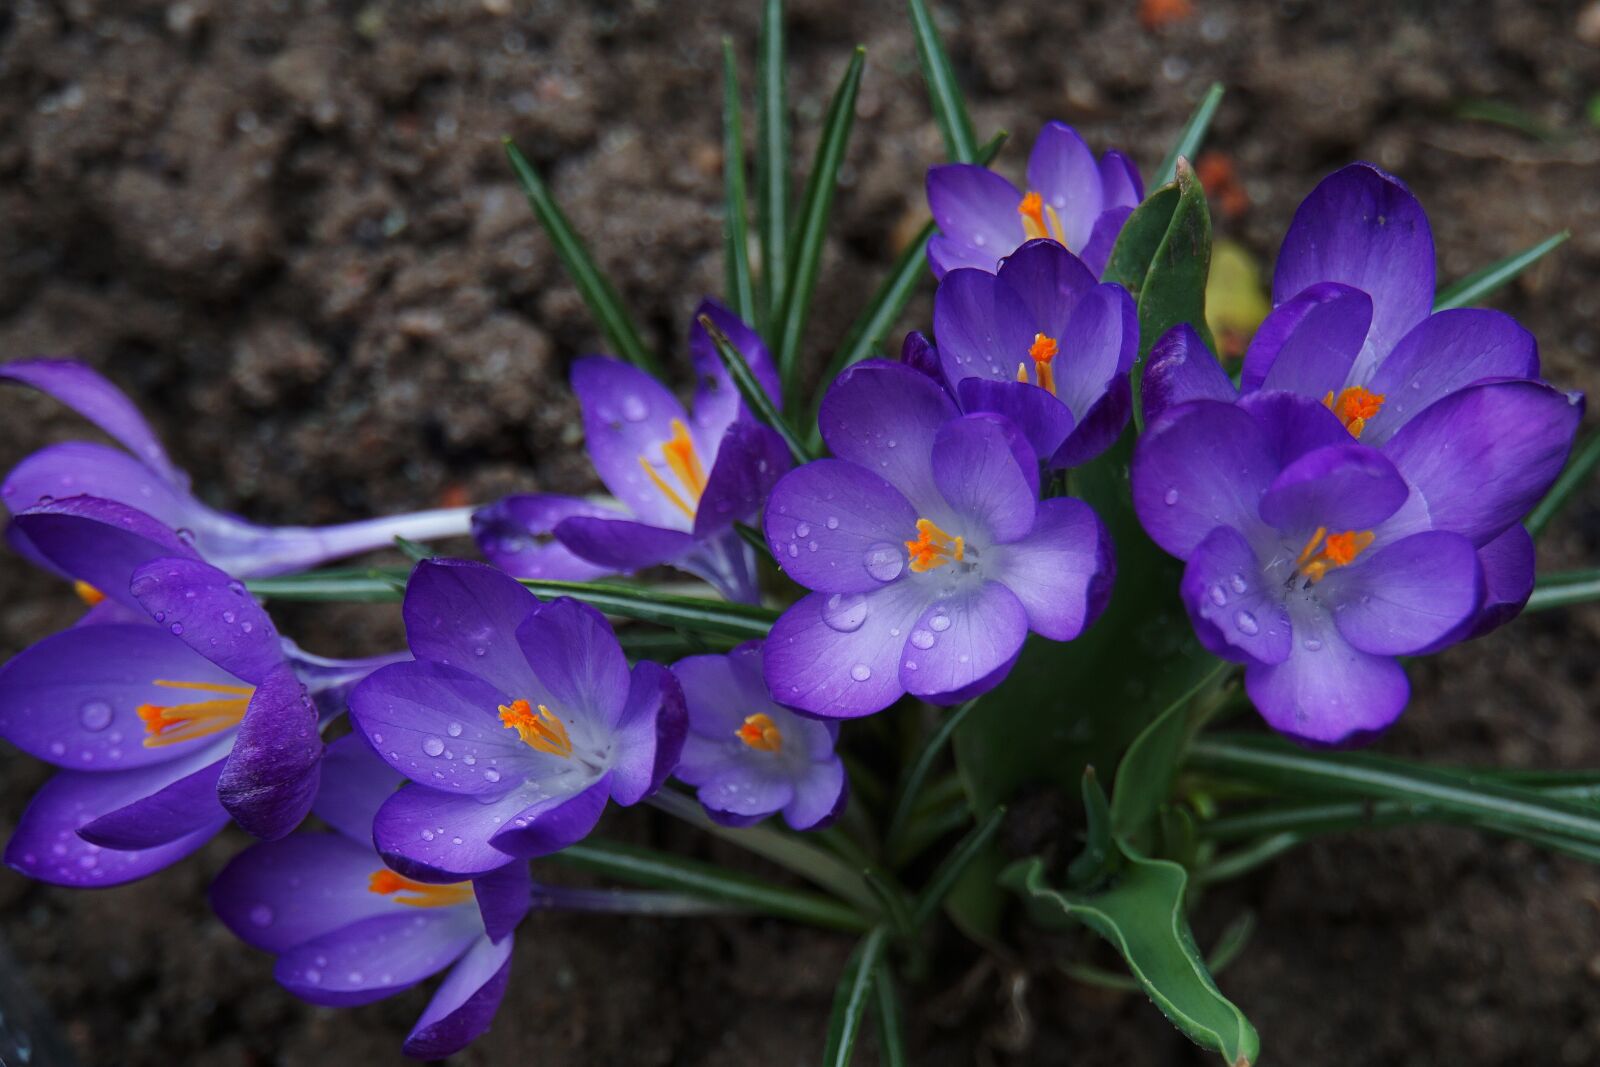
(1072, 199)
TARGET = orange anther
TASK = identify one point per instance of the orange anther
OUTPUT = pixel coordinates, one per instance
(1337, 550)
(542, 732)
(1353, 407)
(418, 894)
(933, 548)
(169, 724)
(761, 733)
(679, 454)
(87, 593)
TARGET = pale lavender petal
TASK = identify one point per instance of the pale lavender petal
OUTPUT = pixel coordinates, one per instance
(621, 544)
(1309, 344)
(1119, 181)
(746, 791)
(717, 403)
(1181, 368)
(993, 489)
(1062, 571)
(1327, 692)
(1097, 353)
(1408, 595)
(178, 810)
(976, 635)
(100, 542)
(279, 894)
(575, 656)
(1062, 170)
(1043, 419)
(984, 328)
(858, 522)
(1340, 487)
(843, 668)
(552, 824)
(751, 458)
(649, 735)
(82, 468)
(1204, 465)
(91, 395)
(355, 783)
(517, 534)
(464, 1004)
(443, 837)
(883, 416)
(818, 796)
(976, 210)
(1234, 608)
(211, 613)
(376, 957)
(504, 897)
(628, 416)
(270, 778)
(466, 615)
(1107, 228)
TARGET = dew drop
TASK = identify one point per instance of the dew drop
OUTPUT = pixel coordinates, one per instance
(433, 746)
(1246, 623)
(1171, 498)
(939, 623)
(377, 739)
(1218, 595)
(95, 715)
(803, 530)
(833, 523)
(312, 976)
(922, 639)
(885, 561)
(247, 626)
(1238, 583)
(633, 409)
(794, 551)
(861, 672)
(228, 617)
(1311, 644)
(454, 729)
(261, 915)
(491, 775)
(427, 835)
(185, 535)
(845, 612)
(176, 628)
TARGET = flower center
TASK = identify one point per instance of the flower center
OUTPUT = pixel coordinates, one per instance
(1042, 351)
(678, 453)
(87, 593)
(933, 548)
(1040, 220)
(760, 733)
(541, 731)
(1354, 407)
(175, 723)
(417, 894)
(1337, 550)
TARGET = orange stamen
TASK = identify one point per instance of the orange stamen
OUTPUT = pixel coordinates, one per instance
(1042, 351)
(175, 723)
(761, 733)
(417, 894)
(542, 732)
(1040, 220)
(1354, 407)
(679, 454)
(934, 548)
(87, 593)
(1338, 550)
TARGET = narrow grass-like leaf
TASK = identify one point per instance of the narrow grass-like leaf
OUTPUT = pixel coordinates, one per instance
(772, 167)
(592, 285)
(891, 1025)
(917, 773)
(656, 870)
(415, 551)
(805, 258)
(1479, 284)
(891, 900)
(949, 872)
(1192, 134)
(376, 586)
(852, 997)
(754, 538)
(736, 212)
(755, 397)
(1578, 470)
(1564, 590)
(949, 107)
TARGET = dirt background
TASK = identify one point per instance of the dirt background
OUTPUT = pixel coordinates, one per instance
(288, 230)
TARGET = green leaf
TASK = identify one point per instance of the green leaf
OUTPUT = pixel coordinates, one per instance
(1192, 134)
(949, 872)
(596, 291)
(736, 212)
(1094, 863)
(1474, 287)
(656, 870)
(374, 586)
(1135, 247)
(1145, 775)
(1174, 288)
(1142, 916)
(949, 109)
(806, 255)
(917, 773)
(852, 997)
(772, 166)
(415, 551)
(755, 397)
(1577, 471)
(891, 1026)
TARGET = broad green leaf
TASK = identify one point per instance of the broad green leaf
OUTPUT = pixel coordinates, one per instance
(1577, 471)
(736, 212)
(1145, 775)
(1479, 284)
(851, 998)
(592, 285)
(755, 397)
(1142, 234)
(949, 108)
(1141, 914)
(1095, 861)
(1174, 288)
(1192, 135)
(772, 167)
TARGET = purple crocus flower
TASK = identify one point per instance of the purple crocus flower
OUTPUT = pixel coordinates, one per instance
(165, 729)
(1071, 198)
(749, 756)
(143, 477)
(347, 930)
(928, 551)
(1042, 344)
(684, 479)
(1315, 560)
(515, 724)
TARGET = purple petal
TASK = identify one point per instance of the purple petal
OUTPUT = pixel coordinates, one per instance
(1363, 228)
(918, 353)
(464, 1004)
(1107, 228)
(649, 736)
(974, 634)
(442, 837)
(750, 459)
(212, 614)
(1293, 425)
(818, 796)
(355, 783)
(746, 791)
(1119, 181)
(1483, 456)
(517, 534)
(91, 395)
(1181, 368)
(1327, 692)
(184, 807)
(826, 663)
(1049, 281)
(882, 416)
(279, 894)
(1062, 170)
(1204, 465)
(984, 328)
(976, 210)
(271, 775)
(81, 468)
(1447, 352)
(858, 521)
(717, 690)
(466, 615)
(376, 957)
(1099, 428)
(628, 415)
(622, 545)
(1062, 571)
(1043, 419)
(575, 656)
(552, 824)
(1408, 595)
(1507, 563)
(1232, 604)
(1340, 487)
(717, 403)
(1309, 344)
(980, 474)
(1100, 344)
(504, 897)
(72, 698)
(100, 542)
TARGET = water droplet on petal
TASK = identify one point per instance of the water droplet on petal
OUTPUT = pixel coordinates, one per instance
(885, 561)
(95, 715)
(833, 523)
(1171, 497)
(845, 612)
(1218, 595)
(861, 672)
(454, 729)
(176, 628)
(633, 409)
(794, 551)
(939, 623)
(261, 915)
(1246, 623)
(1238, 583)
(922, 639)
(491, 775)
(803, 530)
(433, 746)
(1311, 644)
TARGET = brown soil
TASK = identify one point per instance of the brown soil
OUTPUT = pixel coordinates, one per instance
(287, 228)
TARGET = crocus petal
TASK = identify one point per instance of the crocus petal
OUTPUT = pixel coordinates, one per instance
(628, 416)
(1340, 487)
(271, 775)
(984, 479)
(91, 395)
(751, 458)
(1507, 563)
(1444, 353)
(1049, 281)
(442, 837)
(82, 468)
(212, 614)
(818, 796)
(355, 783)
(1202, 466)
(858, 521)
(843, 668)
(517, 534)
(1408, 595)
(1120, 183)
(72, 698)
(1484, 455)
(1181, 368)
(464, 1004)
(575, 655)
(918, 353)
(717, 403)
(504, 897)
(1230, 602)
(648, 737)
(376, 957)
(622, 545)
(1327, 691)
(1309, 344)
(1062, 170)
(1043, 419)
(716, 694)
(1062, 571)
(466, 615)
(554, 823)
(1293, 425)
(1096, 253)
(962, 640)
(185, 807)
(1100, 343)
(882, 416)
(279, 894)
(100, 542)
(1363, 228)
(976, 210)
(984, 328)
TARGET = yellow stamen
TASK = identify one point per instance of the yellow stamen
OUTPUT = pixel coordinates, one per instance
(418, 894)
(1338, 550)
(1040, 220)
(175, 723)
(679, 454)
(933, 548)
(1354, 407)
(87, 593)
(761, 733)
(542, 732)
